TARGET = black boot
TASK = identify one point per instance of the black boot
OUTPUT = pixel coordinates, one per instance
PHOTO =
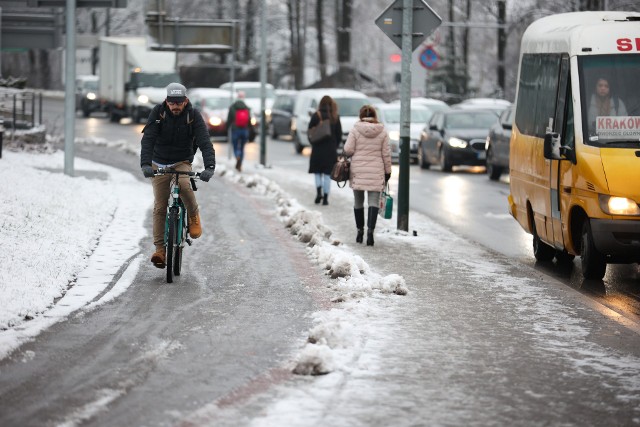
(359, 214)
(318, 195)
(325, 200)
(371, 224)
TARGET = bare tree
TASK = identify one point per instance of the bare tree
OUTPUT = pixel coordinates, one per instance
(296, 62)
(322, 54)
(343, 28)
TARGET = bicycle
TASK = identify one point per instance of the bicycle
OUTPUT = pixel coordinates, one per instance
(176, 230)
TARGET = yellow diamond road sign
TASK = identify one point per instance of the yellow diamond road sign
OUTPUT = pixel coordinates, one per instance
(425, 22)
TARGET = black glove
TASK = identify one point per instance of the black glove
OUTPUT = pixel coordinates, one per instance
(206, 174)
(387, 177)
(147, 171)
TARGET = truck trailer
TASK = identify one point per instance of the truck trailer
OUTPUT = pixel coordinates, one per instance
(132, 78)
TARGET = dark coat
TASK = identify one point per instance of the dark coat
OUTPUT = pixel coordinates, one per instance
(324, 154)
(171, 139)
(231, 115)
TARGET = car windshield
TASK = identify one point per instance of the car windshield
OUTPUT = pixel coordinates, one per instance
(479, 120)
(610, 92)
(216, 102)
(417, 115)
(350, 106)
(91, 85)
(254, 92)
(153, 79)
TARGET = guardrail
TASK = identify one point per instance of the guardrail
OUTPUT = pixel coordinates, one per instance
(20, 109)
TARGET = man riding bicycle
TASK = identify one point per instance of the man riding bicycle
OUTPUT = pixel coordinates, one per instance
(174, 131)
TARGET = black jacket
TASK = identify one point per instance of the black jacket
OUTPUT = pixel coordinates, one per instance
(171, 139)
(324, 155)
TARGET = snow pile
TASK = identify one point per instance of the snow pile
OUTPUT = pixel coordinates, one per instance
(332, 343)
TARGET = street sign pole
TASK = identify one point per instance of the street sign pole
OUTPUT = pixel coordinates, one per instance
(405, 115)
(69, 89)
(263, 80)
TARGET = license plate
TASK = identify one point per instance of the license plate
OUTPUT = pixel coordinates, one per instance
(482, 155)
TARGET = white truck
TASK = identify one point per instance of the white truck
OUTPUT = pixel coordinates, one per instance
(132, 78)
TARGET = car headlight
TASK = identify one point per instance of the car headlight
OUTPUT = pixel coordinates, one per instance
(215, 121)
(293, 124)
(613, 205)
(253, 121)
(91, 96)
(395, 135)
(143, 99)
(457, 143)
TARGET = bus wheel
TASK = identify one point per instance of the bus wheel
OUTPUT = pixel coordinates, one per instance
(594, 264)
(564, 257)
(541, 250)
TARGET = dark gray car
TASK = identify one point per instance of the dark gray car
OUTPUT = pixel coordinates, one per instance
(497, 145)
(455, 137)
(282, 113)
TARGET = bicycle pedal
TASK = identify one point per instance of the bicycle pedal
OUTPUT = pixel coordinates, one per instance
(188, 242)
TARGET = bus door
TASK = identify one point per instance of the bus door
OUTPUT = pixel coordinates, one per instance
(563, 117)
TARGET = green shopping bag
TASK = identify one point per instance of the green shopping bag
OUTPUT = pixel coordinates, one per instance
(386, 203)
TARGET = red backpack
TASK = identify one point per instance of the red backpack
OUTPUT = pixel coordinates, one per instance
(242, 118)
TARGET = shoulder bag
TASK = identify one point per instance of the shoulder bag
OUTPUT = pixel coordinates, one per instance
(320, 132)
(386, 203)
(340, 171)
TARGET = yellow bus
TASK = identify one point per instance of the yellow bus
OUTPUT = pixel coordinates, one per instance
(575, 145)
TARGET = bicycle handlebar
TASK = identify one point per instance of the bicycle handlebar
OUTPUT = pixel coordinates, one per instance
(165, 171)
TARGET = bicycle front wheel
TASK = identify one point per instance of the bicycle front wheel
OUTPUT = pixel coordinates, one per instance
(171, 243)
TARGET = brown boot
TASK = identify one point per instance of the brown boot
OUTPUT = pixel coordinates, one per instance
(159, 257)
(239, 165)
(195, 228)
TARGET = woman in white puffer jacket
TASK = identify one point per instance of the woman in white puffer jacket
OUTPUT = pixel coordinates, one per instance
(368, 147)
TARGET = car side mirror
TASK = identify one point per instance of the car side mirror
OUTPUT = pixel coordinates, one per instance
(433, 127)
(507, 126)
(552, 146)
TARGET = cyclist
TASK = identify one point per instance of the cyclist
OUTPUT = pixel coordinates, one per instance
(174, 131)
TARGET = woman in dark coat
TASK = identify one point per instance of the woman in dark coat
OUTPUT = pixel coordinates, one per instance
(324, 153)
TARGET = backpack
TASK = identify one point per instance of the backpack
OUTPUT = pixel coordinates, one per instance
(242, 118)
(160, 119)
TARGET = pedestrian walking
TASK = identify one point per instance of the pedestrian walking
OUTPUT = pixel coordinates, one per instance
(173, 132)
(239, 120)
(324, 153)
(368, 147)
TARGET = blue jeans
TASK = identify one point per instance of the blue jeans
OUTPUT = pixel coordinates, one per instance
(239, 137)
(324, 181)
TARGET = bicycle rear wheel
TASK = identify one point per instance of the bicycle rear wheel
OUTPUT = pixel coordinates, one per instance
(171, 243)
(177, 261)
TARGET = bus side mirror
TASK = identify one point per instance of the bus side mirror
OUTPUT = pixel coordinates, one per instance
(552, 146)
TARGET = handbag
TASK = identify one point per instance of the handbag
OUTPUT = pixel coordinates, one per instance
(386, 203)
(340, 171)
(319, 132)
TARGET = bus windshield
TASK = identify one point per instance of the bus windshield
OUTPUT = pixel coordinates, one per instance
(610, 93)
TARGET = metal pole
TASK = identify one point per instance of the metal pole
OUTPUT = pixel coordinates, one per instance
(263, 78)
(405, 116)
(231, 92)
(69, 83)
(0, 42)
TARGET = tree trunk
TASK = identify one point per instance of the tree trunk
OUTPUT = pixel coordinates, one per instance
(344, 33)
(322, 54)
(465, 50)
(293, 11)
(249, 31)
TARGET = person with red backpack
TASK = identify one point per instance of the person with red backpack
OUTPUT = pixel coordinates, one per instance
(239, 120)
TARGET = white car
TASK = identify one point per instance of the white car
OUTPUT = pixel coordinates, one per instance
(389, 115)
(306, 104)
(252, 96)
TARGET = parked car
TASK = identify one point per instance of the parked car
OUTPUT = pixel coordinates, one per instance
(252, 97)
(87, 99)
(389, 115)
(495, 105)
(214, 106)
(497, 145)
(432, 104)
(455, 137)
(282, 123)
(349, 104)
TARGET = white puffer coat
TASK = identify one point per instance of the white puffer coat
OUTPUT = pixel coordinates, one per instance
(368, 147)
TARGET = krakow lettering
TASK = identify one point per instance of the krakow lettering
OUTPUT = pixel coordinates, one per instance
(618, 127)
